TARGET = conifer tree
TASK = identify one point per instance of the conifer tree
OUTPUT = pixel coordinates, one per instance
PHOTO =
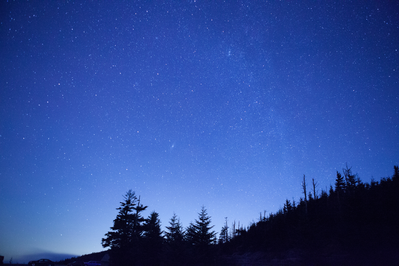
(224, 234)
(396, 173)
(152, 227)
(339, 188)
(331, 191)
(200, 237)
(122, 239)
(287, 206)
(175, 232)
(350, 179)
(175, 243)
(310, 197)
(138, 220)
(199, 233)
(153, 239)
(339, 183)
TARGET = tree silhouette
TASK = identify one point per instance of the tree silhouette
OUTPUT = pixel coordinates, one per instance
(175, 231)
(350, 179)
(119, 239)
(200, 233)
(304, 193)
(355, 223)
(153, 239)
(287, 206)
(314, 185)
(175, 242)
(200, 237)
(339, 183)
(395, 176)
(123, 239)
(224, 234)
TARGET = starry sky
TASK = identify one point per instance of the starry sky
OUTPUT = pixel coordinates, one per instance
(222, 104)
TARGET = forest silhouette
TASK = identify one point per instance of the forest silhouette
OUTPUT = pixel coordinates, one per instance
(353, 223)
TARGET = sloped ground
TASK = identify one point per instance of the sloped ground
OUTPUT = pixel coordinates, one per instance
(330, 256)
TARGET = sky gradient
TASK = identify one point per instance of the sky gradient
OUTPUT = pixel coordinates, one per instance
(187, 103)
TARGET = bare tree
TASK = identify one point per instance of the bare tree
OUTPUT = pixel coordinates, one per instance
(304, 188)
(233, 230)
(304, 193)
(224, 233)
(314, 184)
(262, 218)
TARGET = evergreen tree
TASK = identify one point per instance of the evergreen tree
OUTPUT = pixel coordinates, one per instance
(200, 238)
(153, 239)
(190, 234)
(331, 191)
(310, 197)
(339, 183)
(350, 179)
(293, 204)
(176, 252)
(121, 239)
(200, 234)
(396, 173)
(174, 233)
(138, 220)
(152, 228)
(224, 234)
(339, 189)
(323, 194)
(287, 206)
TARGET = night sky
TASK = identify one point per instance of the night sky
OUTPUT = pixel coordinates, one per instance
(188, 103)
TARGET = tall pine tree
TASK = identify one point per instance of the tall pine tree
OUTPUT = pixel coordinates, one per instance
(200, 237)
(175, 233)
(224, 233)
(153, 240)
(176, 253)
(199, 233)
(125, 234)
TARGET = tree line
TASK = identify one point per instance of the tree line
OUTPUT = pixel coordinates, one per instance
(135, 240)
(352, 222)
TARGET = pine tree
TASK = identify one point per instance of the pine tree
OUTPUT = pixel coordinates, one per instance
(152, 228)
(122, 238)
(331, 191)
(350, 179)
(175, 233)
(153, 239)
(396, 173)
(200, 233)
(310, 197)
(139, 220)
(175, 243)
(200, 237)
(287, 207)
(339, 188)
(224, 233)
(339, 183)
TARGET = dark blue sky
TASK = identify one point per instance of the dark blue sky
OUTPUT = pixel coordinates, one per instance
(193, 103)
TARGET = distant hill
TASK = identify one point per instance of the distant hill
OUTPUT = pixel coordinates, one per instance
(23, 260)
(96, 256)
(354, 223)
